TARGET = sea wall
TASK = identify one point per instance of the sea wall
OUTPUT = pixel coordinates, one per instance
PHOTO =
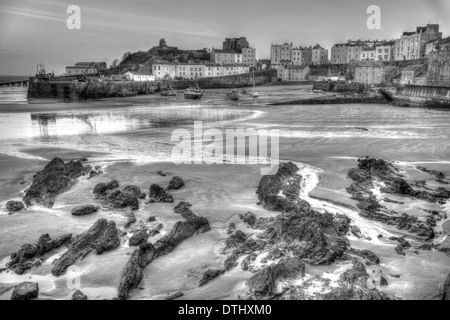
(422, 96)
(69, 91)
(370, 96)
(338, 87)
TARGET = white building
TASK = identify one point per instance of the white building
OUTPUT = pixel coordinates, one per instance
(139, 76)
(226, 57)
(190, 71)
(164, 71)
(297, 57)
(412, 45)
(249, 56)
(281, 54)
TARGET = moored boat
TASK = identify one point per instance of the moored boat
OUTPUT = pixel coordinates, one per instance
(168, 92)
(126, 93)
(233, 95)
(194, 93)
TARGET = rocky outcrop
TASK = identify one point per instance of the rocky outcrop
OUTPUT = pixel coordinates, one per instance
(176, 184)
(182, 230)
(248, 218)
(14, 206)
(85, 210)
(78, 295)
(133, 272)
(122, 200)
(133, 190)
(142, 257)
(101, 237)
(30, 256)
(209, 275)
(263, 283)
(445, 295)
(138, 238)
(373, 171)
(102, 188)
(159, 194)
(25, 291)
(56, 178)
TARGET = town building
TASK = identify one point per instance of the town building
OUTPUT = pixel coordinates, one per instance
(281, 54)
(139, 76)
(189, 71)
(412, 45)
(436, 45)
(293, 73)
(369, 72)
(319, 74)
(385, 51)
(297, 57)
(319, 55)
(235, 44)
(226, 57)
(164, 71)
(410, 73)
(249, 56)
(86, 68)
(307, 56)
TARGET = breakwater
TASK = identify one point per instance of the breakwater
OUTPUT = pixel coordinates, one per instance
(420, 96)
(338, 87)
(92, 90)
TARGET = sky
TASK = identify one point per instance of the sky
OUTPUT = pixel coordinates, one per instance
(35, 31)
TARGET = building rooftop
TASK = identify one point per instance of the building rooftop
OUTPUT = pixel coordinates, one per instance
(374, 64)
(413, 67)
(225, 51)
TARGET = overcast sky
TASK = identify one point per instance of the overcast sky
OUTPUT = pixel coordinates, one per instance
(34, 31)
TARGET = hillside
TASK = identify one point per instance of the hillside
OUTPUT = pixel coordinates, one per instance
(143, 60)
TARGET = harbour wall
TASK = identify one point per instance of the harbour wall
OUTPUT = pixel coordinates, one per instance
(73, 91)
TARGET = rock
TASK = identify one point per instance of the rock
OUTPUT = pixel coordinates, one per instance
(142, 196)
(133, 190)
(151, 219)
(14, 206)
(174, 296)
(102, 237)
(445, 295)
(356, 275)
(78, 295)
(29, 256)
(85, 210)
(399, 250)
(236, 240)
(133, 272)
(366, 254)
(156, 230)
(130, 220)
(248, 218)
(112, 185)
(120, 200)
(356, 232)
(56, 178)
(176, 184)
(94, 173)
(138, 238)
(245, 265)
(100, 189)
(158, 194)
(25, 291)
(263, 283)
(209, 275)
(230, 228)
(182, 230)
(161, 173)
(383, 282)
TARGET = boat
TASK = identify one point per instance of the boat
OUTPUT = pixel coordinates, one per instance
(150, 90)
(193, 93)
(168, 92)
(126, 93)
(233, 95)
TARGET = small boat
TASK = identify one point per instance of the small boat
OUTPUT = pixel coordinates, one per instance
(254, 94)
(126, 93)
(150, 90)
(168, 92)
(194, 93)
(233, 95)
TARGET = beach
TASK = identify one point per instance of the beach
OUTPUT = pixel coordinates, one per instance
(130, 140)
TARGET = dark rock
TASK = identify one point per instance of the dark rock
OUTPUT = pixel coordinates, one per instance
(345, 293)
(248, 218)
(14, 206)
(29, 256)
(236, 240)
(133, 272)
(84, 210)
(399, 250)
(371, 257)
(100, 189)
(151, 219)
(161, 173)
(138, 238)
(383, 282)
(142, 196)
(181, 230)
(78, 295)
(231, 227)
(245, 265)
(445, 295)
(356, 275)
(120, 200)
(130, 220)
(133, 190)
(156, 230)
(56, 178)
(263, 283)
(174, 296)
(209, 275)
(158, 194)
(112, 185)
(176, 184)
(102, 237)
(94, 173)
(25, 291)
(341, 224)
